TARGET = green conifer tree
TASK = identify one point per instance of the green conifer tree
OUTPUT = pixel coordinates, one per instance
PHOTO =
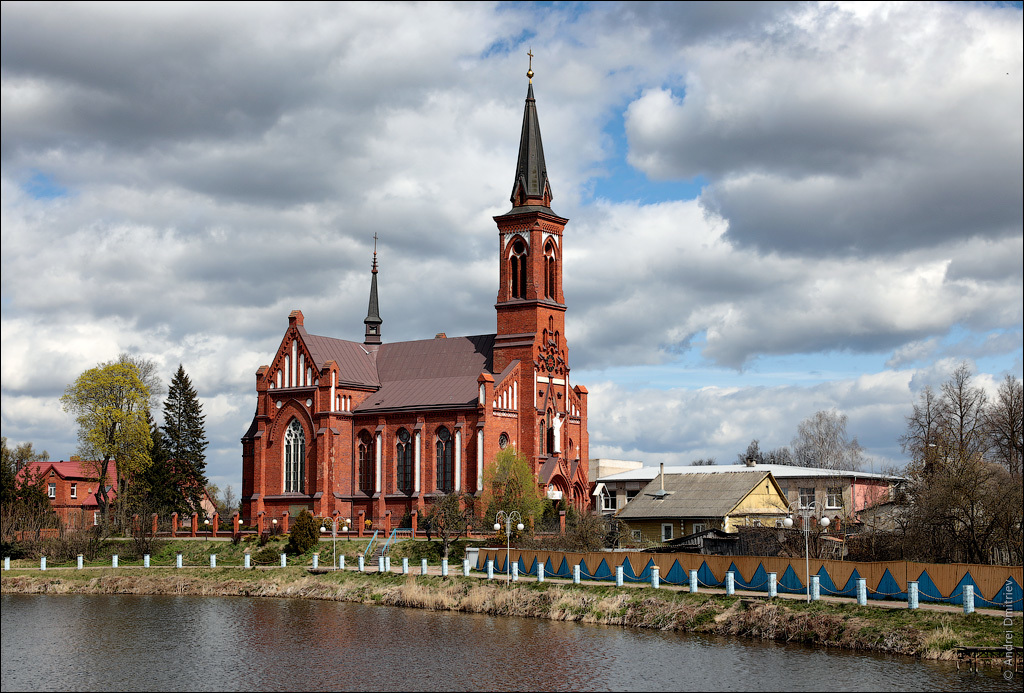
(185, 436)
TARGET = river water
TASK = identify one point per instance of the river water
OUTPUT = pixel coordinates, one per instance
(90, 642)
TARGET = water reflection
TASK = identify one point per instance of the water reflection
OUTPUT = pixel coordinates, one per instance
(87, 642)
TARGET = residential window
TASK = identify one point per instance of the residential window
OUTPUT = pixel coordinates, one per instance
(366, 462)
(51, 490)
(806, 497)
(96, 518)
(666, 531)
(404, 457)
(785, 493)
(74, 490)
(607, 500)
(636, 534)
(294, 456)
(444, 460)
(698, 527)
(631, 494)
(834, 498)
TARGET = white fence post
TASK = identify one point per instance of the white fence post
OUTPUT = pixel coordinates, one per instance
(773, 585)
(730, 582)
(113, 561)
(423, 566)
(862, 591)
(693, 581)
(177, 561)
(968, 599)
(655, 577)
(465, 567)
(145, 561)
(619, 576)
(284, 560)
(540, 572)
(213, 560)
(81, 560)
(576, 574)
(490, 568)
(815, 588)
(912, 597)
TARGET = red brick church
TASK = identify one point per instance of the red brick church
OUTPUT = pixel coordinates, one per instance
(344, 426)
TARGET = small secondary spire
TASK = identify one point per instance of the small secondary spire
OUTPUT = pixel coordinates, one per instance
(373, 320)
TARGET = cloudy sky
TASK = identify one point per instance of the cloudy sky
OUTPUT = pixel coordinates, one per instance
(774, 208)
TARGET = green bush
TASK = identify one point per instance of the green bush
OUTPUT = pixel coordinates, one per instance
(305, 534)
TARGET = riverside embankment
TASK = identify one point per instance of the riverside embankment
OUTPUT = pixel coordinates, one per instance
(923, 633)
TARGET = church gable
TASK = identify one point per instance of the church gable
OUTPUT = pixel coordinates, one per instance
(293, 366)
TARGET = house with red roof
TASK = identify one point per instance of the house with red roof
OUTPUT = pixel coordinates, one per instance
(72, 488)
(371, 428)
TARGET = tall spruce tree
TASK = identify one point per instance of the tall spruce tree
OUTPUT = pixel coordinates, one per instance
(185, 437)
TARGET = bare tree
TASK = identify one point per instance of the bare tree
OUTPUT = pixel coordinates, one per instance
(821, 441)
(961, 507)
(1004, 425)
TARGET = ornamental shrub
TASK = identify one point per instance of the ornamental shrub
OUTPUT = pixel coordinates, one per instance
(305, 534)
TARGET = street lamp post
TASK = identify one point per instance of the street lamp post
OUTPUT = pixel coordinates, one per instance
(334, 534)
(508, 518)
(806, 512)
(274, 523)
(207, 523)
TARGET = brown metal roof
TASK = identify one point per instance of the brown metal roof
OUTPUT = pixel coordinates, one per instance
(430, 373)
(355, 363)
(694, 495)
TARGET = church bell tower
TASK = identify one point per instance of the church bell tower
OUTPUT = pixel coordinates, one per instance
(530, 306)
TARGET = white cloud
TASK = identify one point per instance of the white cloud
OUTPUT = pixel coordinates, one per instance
(215, 169)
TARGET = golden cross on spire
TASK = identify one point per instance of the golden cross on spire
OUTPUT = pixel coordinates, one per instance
(529, 73)
(375, 252)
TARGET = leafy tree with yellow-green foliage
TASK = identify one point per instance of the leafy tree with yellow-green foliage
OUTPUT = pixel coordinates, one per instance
(110, 403)
(510, 484)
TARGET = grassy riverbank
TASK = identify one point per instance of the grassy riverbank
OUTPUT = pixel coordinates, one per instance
(927, 634)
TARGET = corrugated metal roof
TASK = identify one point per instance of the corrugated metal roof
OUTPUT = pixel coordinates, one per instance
(779, 471)
(430, 373)
(701, 495)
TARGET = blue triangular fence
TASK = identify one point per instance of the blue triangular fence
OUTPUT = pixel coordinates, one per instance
(758, 581)
(957, 597)
(603, 572)
(676, 575)
(564, 571)
(705, 577)
(790, 583)
(532, 570)
(585, 573)
(627, 571)
(645, 574)
(1009, 596)
(831, 589)
(927, 591)
(888, 588)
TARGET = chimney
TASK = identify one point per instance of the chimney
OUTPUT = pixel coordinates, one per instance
(662, 475)
(750, 461)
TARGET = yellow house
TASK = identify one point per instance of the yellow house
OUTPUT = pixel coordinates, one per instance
(677, 505)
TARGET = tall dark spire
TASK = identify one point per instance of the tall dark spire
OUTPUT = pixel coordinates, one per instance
(531, 186)
(373, 320)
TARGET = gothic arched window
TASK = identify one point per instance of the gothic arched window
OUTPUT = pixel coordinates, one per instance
(294, 457)
(403, 458)
(550, 270)
(444, 460)
(517, 268)
(366, 462)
